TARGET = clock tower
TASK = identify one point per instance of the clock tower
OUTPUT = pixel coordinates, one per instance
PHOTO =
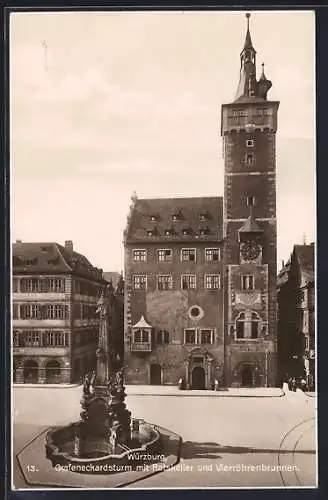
(248, 130)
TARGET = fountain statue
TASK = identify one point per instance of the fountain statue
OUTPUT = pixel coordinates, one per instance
(105, 434)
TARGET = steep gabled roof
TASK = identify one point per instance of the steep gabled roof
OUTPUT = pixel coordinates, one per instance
(190, 212)
(39, 257)
(50, 258)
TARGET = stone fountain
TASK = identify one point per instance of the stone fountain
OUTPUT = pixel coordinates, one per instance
(106, 437)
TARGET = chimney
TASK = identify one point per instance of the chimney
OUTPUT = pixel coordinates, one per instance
(69, 246)
(19, 241)
(282, 263)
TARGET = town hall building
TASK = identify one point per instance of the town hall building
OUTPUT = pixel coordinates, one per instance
(200, 273)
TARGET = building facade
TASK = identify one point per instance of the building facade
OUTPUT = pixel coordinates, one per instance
(200, 296)
(55, 327)
(296, 316)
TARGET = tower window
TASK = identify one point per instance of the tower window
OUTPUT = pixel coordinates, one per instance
(250, 143)
(247, 282)
(250, 158)
(250, 201)
(247, 326)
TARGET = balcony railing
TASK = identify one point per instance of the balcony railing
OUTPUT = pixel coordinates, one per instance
(141, 346)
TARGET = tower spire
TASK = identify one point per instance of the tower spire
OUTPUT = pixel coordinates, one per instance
(248, 40)
(247, 86)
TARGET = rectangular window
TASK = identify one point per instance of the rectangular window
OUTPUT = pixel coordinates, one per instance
(188, 281)
(250, 143)
(31, 285)
(164, 282)
(55, 339)
(55, 285)
(140, 282)
(30, 311)
(188, 254)
(212, 254)
(239, 112)
(190, 336)
(250, 201)
(32, 339)
(15, 285)
(212, 281)
(141, 336)
(247, 282)
(139, 255)
(56, 311)
(15, 311)
(206, 336)
(164, 255)
(250, 159)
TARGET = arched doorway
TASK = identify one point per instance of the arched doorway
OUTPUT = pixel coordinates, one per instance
(31, 369)
(198, 378)
(52, 372)
(247, 377)
(155, 374)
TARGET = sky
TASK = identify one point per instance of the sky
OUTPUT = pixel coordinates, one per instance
(106, 104)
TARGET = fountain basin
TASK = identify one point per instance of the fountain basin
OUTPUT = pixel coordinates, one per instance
(144, 448)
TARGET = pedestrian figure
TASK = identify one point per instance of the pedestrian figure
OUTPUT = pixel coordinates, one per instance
(294, 384)
(303, 384)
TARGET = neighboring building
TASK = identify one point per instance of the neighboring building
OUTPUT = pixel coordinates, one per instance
(55, 326)
(296, 315)
(200, 273)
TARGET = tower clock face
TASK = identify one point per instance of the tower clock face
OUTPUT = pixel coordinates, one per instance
(250, 250)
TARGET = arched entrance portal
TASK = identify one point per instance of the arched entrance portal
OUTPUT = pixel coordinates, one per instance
(155, 375)
(198, 378)
(31, 372)
(52, 372)
(247, 377)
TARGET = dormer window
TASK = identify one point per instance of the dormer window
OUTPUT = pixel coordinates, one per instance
(186, 231)
(153, 217)
(203, 231)
(152, 231)
(31, 262)
(203, 216)
(168, 232)
(53, 262)
(175, 217)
